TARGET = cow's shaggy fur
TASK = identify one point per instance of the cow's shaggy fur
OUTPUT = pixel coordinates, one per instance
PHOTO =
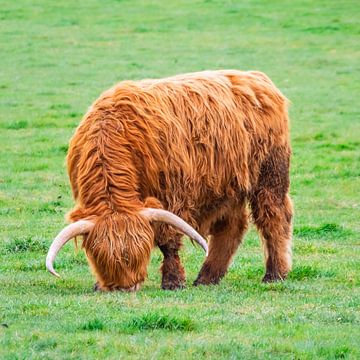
(200, 145)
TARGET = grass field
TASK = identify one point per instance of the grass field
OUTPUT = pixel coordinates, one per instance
(57, 57)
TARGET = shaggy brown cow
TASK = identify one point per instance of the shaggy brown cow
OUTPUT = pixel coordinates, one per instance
(199, 145)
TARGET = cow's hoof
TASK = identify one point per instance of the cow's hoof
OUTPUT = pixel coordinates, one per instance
(173, 286)
(173, 279)
(172, 282)
(206, 281)
(270, 277)
(208, 277)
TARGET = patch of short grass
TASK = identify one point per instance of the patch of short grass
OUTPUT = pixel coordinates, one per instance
(310, 248)
(21, 124)
(92, 325)
(324, 231)
(24, 244)
(157, 321)
(301, 272)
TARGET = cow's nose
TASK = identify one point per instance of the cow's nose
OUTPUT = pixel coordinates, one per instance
(96, 287)
(134, 288)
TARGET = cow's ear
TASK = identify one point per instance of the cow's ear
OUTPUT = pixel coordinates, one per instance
(75, 214)
(78, 213)
(152, 202)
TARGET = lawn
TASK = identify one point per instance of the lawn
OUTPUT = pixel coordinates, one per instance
(57, 57)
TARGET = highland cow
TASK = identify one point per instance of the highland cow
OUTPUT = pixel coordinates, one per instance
(154, 159)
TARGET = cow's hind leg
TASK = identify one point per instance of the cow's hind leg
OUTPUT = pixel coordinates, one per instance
(227, 234)
(272, 213)
(173, 274)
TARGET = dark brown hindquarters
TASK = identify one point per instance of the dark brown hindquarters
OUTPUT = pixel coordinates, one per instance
(272, 213)
(227, 234)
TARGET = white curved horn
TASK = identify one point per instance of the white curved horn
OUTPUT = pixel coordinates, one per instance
(172, 219)
(69, 232)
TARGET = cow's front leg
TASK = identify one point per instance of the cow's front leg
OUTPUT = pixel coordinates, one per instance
(173, 274)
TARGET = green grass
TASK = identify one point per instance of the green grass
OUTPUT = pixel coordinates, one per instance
(155, 321)
(57, 57)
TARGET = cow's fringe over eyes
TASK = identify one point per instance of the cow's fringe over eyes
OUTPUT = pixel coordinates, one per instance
(119, 248)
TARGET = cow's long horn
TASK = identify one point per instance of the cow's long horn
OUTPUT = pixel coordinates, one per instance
(172, 219)
(77, 228)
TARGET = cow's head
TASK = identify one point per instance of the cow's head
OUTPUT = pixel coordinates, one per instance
(118, 245)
